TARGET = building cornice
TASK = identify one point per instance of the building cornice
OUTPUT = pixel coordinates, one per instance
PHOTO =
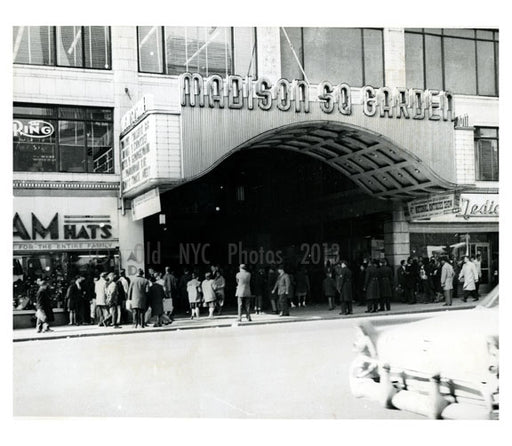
(66, 185)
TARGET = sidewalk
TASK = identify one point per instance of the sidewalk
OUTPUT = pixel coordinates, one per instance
(300, 314)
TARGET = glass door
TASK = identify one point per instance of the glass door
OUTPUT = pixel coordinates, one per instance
(485, 258)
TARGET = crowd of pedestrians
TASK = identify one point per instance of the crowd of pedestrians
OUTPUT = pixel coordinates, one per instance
(114, 299)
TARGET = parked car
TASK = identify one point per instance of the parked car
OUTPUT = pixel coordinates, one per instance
(444, 367)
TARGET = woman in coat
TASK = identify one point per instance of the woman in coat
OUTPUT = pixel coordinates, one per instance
(385, 285)
(137, 295)
(44, 312)
(75, 297)
(156, 299)
(329, 289)
(345, 288)
(371, 286)
(194, 295)
(208, 289)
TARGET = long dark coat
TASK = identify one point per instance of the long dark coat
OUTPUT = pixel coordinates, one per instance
(345, 285)
(138, 291)
(75, 297)
(43, 302)
(386, 281)
(156, 299)
(371, 283)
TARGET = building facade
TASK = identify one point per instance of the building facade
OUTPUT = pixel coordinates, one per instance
(108, 121)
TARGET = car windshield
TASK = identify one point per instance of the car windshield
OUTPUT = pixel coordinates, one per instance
(492, 299)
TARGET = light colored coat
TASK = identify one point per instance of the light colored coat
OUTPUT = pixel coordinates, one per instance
(100, 289)
(282, 285)
(243, 287)
(447, 275)
(208, 291)
(470, 276)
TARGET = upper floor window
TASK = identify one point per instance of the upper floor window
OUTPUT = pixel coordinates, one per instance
(203, 50)
(351, 55)
(49, 138)
(487, 153)
(64, 46)
(463, 61)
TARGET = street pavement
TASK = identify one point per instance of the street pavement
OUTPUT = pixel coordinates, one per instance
(276, 371)
(229, 318)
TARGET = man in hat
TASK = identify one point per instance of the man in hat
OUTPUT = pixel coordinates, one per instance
(282, 287)
(100, 289)
(243, 292)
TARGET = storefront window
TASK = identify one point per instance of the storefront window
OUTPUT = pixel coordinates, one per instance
(463, 61)
(66, 46)
(62, 139)
(59, 268)
(486, 152)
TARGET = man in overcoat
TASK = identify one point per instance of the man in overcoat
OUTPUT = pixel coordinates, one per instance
(137, 294)
(345, 288)
(243, 292)
(371, 287)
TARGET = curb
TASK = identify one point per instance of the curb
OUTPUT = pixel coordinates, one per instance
(281, 320)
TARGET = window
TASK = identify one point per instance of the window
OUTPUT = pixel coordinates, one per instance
(62, 139)
(64, 46)
(351, 55)
(204, 50)
(463, 61)
(486, 152)
(59, 268)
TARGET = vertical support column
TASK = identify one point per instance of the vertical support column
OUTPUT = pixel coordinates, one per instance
(269, 52)
(396, 236)
(465, 155)
(131, 243)
(394, 57)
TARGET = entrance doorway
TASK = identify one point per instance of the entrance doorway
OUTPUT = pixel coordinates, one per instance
(268, 206)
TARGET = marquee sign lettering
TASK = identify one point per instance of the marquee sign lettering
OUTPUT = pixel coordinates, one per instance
(236, 92)
(75, 227)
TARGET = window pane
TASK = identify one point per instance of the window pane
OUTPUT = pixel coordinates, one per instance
(69, 46)
(438, 31)
(100, 159)
(488, 160)
(71, 146)
(486, 65)
(373, 57)
(459, 32)
(460, 64)
(100, 156)
(35, 157)
(205, 50)
(289, 66)
(33, 110)
(97, 47)
(481, 34)
(71, 113)
(433, 62)
(34, 148)
(334, 54)
(33, 45)
(414, 60)
(176, 49)
(484, 132)
(244, 51)
(150, 49)
(99, 114)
